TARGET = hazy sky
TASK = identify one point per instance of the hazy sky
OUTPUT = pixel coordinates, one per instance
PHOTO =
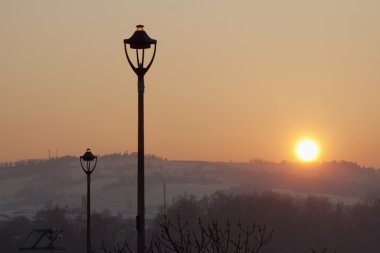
(232, 80)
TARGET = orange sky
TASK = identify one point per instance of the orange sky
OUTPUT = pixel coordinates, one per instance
(231, 81)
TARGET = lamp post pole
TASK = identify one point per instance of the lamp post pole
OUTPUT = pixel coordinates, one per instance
(87, 166)
(140, 169)
(140, 41)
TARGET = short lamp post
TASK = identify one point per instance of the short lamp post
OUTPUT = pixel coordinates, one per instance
(140, 41)
(88, 162)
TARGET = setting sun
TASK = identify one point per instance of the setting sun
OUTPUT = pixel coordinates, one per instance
(307, 150)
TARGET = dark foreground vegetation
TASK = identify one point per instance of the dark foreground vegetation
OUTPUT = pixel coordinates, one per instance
(298, 226)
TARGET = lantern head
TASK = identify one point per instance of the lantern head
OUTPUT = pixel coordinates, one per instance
(88, 156)
(140, 39)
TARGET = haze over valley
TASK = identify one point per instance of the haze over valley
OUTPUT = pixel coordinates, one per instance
(27, 186)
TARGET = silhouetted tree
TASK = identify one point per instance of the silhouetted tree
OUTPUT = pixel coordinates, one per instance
(179, 237)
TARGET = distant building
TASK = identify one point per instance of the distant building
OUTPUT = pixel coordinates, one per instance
(4, 219)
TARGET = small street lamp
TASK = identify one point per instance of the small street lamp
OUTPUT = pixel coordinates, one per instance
(140, 41)
(88, 162)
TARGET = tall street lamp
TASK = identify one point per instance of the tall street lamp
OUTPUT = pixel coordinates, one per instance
(140, 41)
(88, 162)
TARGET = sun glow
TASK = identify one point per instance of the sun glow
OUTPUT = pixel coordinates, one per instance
(307, 150)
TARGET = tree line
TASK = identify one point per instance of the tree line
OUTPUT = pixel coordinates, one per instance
(274, 223)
